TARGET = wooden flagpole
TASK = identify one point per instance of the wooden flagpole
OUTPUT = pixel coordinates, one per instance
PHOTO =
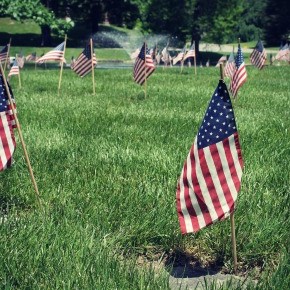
(19, 80)
(93, 68)
(62, 61)
(7, 56)
(145, 84)
(194, 58)
(233, 232)
(20, 136)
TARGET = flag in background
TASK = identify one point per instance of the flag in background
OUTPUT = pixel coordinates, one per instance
(7, 123)
(4, 53)
(14, 69)
(240, 73)
(31, 57)
(179, 56)
(20, 59)
(134, 54)
(283, 53)
(223, 59)
(143, 66)
(258, 56)
(56, 54)
(165, 56)
(83, 64)
(191, 51)
(230, 66)
(211, 176)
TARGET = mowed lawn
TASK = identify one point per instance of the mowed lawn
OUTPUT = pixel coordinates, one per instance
(107, 167)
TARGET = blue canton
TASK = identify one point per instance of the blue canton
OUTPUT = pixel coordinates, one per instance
(87, 51)
(219, 121)
(3, 99)
(142, 52)
(239, 57)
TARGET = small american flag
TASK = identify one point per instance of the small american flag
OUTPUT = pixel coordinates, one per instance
(144, 66)
(165, 55)
(230, 66)
(191, 52)
(83, 64)
(240, 74)
(179, 57)
(4, 53)
(56, 54)
(258, 56)
(20, 59)
(14, 69)
(283, 53)
(211, 176)
(223, 59)
(31, 57)
(7, 123)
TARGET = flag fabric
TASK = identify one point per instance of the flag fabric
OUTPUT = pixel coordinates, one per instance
(258, 56)
(191, 52)
(143, 66)
(158, 58)
(207, 63)
(31, 57)
(14, 69)
(83, 64)
(230, 66)
(134, 54)
(240, 74)
(223, 59)
(283, 53)
(211, 176)
(20, 60)
(7, 123)
(165, 56)
(179, 56)
(56, 54)
(4, 53)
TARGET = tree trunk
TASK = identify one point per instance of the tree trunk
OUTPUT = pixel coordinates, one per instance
(45, 35)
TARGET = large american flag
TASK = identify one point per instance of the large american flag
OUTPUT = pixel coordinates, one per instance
(211, 176)
(14, 69)
(230, 66)
(191, 52)
(56, 54)
(179, 56)
(4, 53)
(259, 55)
(83, 64)
(143, 66)
(7, 123)
(240, 74)
(283, 53)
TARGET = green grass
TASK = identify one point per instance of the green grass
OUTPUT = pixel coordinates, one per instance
(107, 168)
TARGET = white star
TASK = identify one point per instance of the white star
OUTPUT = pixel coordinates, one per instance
(217, 120)
(210, 133)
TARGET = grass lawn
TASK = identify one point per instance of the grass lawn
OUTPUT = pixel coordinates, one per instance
(107, 168)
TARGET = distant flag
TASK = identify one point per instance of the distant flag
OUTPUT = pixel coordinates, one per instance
(211, 176)
(72, 62)
(158, 57)
(258, 56)
(283, 53)
(14, 69)
(83, 64)
(240, 74)
(144, 66)
(55, 55)
(222, 60)
(7, 123)
(20, 60)
(207, 63)
(134, 54)
(230, 66)
(179, 56)
(4, 53)
(31, 57)
(191, 52)
(165, 56)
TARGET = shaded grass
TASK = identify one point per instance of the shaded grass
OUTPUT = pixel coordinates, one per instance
(107, 168)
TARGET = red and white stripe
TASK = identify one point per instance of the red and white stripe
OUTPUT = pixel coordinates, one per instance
(13, 71)
(143, 69)
(258, 58)
(83, 65)
(238, 79)
(209, 184)
(57, 54)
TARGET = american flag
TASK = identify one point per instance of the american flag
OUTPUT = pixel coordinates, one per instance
(223, 59)
(179, 57)
(240, 74)
(283, 53)
(4, 53)
(143, 66)
(83, 64)
(191, 52)
(211, 176)
(7, 123)
(20, 59)
(31, 57)
(14, 69)
(258, 56)
(230, 66)
(165, 56)
(56, 54)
